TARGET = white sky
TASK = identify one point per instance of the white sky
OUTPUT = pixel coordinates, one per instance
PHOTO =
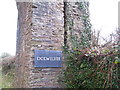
(8, 26)
(104, 17)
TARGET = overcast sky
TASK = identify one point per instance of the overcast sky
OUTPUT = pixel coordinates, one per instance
(104, 17)
(8, 26)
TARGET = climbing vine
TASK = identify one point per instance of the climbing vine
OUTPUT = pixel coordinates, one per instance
(92, 68)
(89, 66)
(86, 31)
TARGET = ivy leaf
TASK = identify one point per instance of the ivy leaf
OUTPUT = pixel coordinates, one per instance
(117, 61)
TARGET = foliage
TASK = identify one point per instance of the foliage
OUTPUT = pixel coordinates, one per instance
(92, 68)
(86, 31)
(83, 40)
(7, 79)
(8, 64)
(88, 65)
(7, 72)
(4, 55)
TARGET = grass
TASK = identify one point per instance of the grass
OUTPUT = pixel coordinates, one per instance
(7, 72)
(6, 80)
(0, 77)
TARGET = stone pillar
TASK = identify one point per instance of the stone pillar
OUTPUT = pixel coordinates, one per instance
(44, 26)
(73, 23)
(76, 23)
(40, 27)
(47, 34)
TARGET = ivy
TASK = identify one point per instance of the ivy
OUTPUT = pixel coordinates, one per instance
(86, 31)
(92, 68)
(88, 66)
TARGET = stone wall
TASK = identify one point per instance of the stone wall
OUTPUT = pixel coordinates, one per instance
(43, 26)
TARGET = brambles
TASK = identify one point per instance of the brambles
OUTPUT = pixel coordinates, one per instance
(92, 68)
(90, 65)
